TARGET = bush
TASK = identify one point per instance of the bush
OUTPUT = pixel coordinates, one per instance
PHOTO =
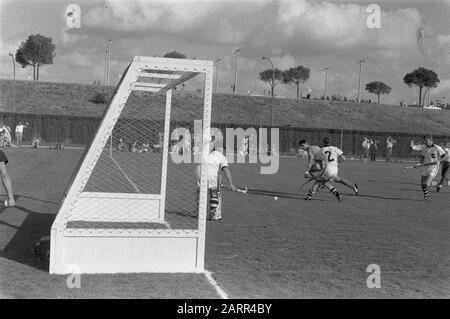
(98, 98)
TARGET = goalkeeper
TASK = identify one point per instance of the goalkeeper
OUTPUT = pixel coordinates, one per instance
(215, 163)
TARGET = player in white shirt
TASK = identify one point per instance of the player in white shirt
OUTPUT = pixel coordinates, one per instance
(244, 147)
(215, 163)
(329, 157)
(445, 168)
(431, 156)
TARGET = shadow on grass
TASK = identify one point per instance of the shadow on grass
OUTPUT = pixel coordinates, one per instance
(270, 193)
(262, 192)
(390, 183)
(390, 198)
(20, 247)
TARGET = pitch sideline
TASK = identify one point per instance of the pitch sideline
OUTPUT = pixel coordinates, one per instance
(214, 283)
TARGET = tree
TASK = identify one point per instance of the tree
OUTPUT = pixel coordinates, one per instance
(423, 78)
(175, 55)
(378, 88)
(268, 76)
(297, 76)
(36, 51)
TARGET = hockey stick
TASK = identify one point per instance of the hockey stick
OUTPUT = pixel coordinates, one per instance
(417, 166)
(243, 190)
(305, 183)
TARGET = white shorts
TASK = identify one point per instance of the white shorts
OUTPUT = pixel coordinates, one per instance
(330, 172)
(431, 170)
(212, 179)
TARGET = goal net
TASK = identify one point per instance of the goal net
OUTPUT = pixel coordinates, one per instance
(134, 204)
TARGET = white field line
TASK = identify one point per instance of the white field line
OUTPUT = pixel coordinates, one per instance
(125, 174)
(214, 283)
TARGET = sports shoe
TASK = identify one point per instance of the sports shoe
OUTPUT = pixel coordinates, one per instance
(215, 216)
(356, 189)
(438, 188)
(308, 198)
(10, 202)
(339, 197)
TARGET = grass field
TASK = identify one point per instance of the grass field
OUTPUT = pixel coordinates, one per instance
(263, 248)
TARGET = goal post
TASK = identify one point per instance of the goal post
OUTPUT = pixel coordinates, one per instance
(130, 207)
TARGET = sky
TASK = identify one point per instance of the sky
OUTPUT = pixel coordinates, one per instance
(314, 34)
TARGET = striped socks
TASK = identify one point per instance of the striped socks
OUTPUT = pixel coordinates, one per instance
(310, 194)
(425, 191)
(336, 193)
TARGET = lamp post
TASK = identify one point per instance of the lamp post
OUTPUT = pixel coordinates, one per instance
(107, 57)
(217, 74)
(14, 81)
(326, 81)
(236, 53)
(272, 87)
(359, 79)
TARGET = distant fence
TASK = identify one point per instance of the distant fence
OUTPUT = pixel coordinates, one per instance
(79, 130)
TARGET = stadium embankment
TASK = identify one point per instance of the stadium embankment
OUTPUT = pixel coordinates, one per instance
(67, 111)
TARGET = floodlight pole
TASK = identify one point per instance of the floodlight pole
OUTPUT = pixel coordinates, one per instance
(108, 57)
(326, 81)
(272, 87)
(236, 53)
(359, 79)
(14, 81)
(217, 74)
(106, 67)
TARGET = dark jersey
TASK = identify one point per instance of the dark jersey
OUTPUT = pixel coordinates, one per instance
(3, 157)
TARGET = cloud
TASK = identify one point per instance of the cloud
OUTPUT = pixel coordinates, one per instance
(208, 21)
(343, 26)
(443, 86)
(69, 37)
(443, 39)
(300, 27)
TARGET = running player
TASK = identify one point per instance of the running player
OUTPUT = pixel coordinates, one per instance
(431, 155)
(333, 156)
(312, 151)
(327, 154)
(445, 169)
(314, 170)
(215, 163)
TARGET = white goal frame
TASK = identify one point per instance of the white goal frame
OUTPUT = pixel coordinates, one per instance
(116, 250)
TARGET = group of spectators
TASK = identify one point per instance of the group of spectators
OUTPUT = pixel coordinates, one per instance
(371, 147)
(5, 135)
(136, 148)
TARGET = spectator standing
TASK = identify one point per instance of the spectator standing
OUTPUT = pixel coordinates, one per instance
(374, 150)
(19, 133)
(6, 141)
(389, 145)
(366, 147)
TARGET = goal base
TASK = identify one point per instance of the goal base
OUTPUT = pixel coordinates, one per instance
(126, 251)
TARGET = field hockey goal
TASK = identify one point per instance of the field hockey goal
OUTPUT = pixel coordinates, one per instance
(133, 204)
